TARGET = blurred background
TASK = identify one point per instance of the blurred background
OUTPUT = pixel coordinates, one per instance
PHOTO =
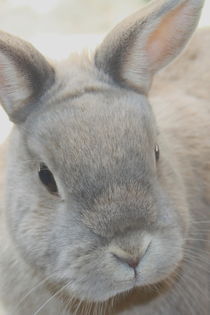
(58, 27)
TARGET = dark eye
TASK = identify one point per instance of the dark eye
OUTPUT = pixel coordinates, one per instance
(47, 179)
(157, 152)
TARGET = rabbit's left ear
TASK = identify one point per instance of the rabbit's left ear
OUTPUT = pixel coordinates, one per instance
(25, 75)
(148, 40)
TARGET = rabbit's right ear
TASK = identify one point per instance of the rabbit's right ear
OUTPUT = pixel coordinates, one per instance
(146, 41)
(25, 75)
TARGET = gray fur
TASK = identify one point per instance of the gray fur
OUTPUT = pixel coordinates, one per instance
(33, 74)
(115, 202)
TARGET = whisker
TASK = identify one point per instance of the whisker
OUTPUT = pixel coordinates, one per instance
(200, 222)
(51, 298)
(23, 299)
(186, 295)
(196, 239)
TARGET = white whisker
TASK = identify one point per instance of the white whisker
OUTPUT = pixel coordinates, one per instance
(51, 298)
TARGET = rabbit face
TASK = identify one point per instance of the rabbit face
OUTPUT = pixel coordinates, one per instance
(91, 203)
(114, 223)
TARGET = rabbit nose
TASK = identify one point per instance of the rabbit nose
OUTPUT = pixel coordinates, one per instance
(128, 259)
(131, 261)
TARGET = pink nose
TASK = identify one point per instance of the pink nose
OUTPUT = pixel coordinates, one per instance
(129, 260)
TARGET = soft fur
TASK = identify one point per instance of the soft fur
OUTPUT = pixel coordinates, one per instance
(89, 120)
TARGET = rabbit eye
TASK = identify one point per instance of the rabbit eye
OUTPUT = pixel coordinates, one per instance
(47, 179)
(157, 152)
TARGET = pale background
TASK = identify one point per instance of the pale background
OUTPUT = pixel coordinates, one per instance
(57, 27)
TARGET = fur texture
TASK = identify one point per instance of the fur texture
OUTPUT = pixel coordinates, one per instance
(127, 233)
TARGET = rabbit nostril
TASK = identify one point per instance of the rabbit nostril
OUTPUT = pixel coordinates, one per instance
(131, 261)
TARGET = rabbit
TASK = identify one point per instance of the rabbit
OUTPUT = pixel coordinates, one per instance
(106, 201)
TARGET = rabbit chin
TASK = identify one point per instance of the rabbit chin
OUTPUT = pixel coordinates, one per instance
(101, 291)
(102, 295)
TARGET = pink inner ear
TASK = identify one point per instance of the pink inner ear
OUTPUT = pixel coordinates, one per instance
(168, 37)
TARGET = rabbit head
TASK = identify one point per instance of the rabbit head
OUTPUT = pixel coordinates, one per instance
(95, 199)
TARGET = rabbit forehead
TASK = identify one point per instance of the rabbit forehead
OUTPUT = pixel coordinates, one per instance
(94, 127)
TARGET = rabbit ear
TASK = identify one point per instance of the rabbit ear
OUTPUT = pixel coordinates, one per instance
(148, 40)
(24, 76)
